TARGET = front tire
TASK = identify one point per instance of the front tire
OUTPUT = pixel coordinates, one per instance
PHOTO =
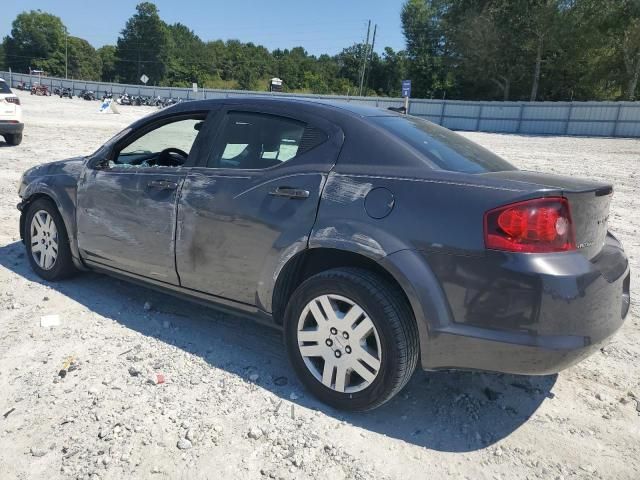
(351, 338)
(47, 242)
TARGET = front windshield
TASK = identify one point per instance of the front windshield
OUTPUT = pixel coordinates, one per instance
(443, 148)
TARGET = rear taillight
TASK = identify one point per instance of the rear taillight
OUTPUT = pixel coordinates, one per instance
(540, 225)
(15, 100)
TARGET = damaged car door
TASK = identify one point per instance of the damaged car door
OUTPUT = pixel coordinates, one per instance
(254, 201)
(127, 197)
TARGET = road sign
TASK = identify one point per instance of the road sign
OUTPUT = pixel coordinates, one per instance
(144, 79)
(406, 88)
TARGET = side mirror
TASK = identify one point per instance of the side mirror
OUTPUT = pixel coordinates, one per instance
(98, 162)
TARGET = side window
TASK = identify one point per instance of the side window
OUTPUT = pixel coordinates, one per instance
(256, 141)
(167, 145)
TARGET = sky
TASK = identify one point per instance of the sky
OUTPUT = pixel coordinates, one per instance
(321, 26)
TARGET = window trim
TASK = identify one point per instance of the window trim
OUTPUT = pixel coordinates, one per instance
(154, 125)
(222, 122)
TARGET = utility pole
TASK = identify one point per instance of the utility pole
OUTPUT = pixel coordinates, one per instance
(66, 53)
(373, 45)
(364, 59)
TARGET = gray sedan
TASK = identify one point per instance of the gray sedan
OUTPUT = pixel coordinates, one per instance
(374, 240)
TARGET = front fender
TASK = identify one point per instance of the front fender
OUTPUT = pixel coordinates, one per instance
(62, 191)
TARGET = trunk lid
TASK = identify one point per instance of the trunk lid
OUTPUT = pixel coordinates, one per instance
(589, 202)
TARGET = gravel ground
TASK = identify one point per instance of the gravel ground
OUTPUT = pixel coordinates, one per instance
(159, 388)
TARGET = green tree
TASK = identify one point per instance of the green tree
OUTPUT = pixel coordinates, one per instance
(107, 55)
(187, 57)
(36, 41)
(426, 46)
(3, 59)
(143, 46)
(83, 61)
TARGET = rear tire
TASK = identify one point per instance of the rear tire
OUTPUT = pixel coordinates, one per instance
(14, 139)
(47, 242)
(332, 358)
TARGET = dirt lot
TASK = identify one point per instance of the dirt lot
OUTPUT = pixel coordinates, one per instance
(230, 406)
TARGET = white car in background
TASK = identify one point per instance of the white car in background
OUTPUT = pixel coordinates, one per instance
(11, 125)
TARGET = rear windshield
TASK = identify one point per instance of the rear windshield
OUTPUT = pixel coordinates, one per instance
(4, 88)
(443, 148)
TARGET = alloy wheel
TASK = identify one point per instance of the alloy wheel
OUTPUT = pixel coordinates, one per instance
(44, 239)
(339, 343)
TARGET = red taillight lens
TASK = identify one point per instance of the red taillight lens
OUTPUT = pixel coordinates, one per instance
(15, 100)
(533, 226)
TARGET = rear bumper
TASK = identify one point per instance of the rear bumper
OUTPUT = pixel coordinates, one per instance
(525, 314)
(10, 127)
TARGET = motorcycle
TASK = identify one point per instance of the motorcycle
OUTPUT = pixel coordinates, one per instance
(124, 99)
(65, 92)
(87, 95)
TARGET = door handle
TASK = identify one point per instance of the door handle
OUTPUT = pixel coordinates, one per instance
(288, 192)
(162, 184)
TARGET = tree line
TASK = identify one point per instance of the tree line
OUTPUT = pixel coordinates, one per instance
(459, 49)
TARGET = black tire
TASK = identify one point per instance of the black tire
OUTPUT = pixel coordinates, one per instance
(392, 317)
(14, 139)
(63, 266)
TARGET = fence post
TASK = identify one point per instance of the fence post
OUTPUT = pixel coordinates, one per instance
(444, 105)
(479, 118)
(566, 127)
(520, 114)
(615, 125)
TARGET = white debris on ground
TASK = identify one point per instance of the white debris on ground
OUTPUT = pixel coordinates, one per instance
(136, 384)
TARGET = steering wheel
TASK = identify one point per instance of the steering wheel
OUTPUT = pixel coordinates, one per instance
(165, 158)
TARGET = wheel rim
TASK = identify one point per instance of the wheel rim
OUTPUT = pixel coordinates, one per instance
(339, 343)
(44, 240)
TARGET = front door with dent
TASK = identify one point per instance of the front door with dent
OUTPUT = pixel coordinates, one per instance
(127, 201)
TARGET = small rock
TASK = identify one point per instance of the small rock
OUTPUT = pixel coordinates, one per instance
(254, 377)
(147, 306)
(105, 461)
(93, 391)
(255, 433)
(184, 444)
(638, 406)
(134, 372)
(190, 435)
(38, 452)
(498, 452)
(280, 381)
(491, 395)
(599, 396)
(155, 379)
(195, 381)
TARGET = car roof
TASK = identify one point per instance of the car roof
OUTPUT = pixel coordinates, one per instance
(318, 104)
